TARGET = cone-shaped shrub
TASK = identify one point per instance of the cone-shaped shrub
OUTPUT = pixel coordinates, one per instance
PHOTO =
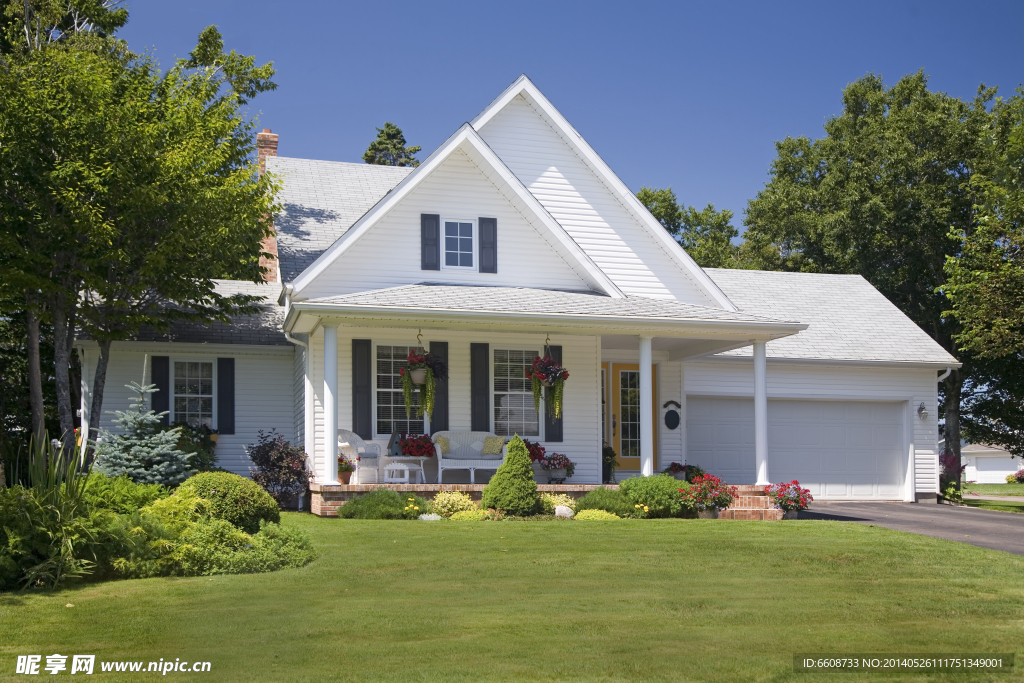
(512, 488)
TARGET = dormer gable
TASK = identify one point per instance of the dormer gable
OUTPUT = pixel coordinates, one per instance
(591, 203)
(462, 217)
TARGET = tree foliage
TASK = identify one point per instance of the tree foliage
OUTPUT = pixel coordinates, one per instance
(705, 234)
(877, 196)
(388, 149)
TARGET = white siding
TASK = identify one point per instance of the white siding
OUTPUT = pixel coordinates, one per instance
(580, 355)
(298, 394)
(263, 390)
(573, 193)
(388, 255)
(836, 382)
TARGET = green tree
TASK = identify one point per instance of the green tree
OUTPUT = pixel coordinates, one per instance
(877, 196)
(124, 192)
(389, 149)
(705, 234)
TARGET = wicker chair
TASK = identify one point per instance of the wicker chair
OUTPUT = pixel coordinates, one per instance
(466, 454)
(366, 456)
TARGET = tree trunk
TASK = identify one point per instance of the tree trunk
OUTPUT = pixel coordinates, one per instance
(953, 386)
(98, 383)
(62, 313)
(35, 374)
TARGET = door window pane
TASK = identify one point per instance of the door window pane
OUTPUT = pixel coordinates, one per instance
(629, 413)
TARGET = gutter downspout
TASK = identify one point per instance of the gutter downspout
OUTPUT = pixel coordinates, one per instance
(288, 289)
(946, 374)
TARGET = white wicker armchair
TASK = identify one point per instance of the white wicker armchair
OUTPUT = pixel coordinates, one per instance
(366, 456)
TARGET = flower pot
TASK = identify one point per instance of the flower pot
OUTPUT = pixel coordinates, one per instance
(707, 514)
(556, 476)
(791, 514)
(344, 477)
(418, 376)
(680, 476)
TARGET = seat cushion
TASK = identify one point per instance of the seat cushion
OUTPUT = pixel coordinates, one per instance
(442, 441)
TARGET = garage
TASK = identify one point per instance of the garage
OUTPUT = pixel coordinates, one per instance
(852, 450)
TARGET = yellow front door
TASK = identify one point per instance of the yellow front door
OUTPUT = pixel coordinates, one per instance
(622, 431)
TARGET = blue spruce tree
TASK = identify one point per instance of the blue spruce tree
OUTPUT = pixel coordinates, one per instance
(143, 450)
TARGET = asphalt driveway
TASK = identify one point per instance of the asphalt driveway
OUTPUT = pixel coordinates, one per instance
(984, 528)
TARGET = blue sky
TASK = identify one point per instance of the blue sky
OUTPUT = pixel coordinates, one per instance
(688, 95)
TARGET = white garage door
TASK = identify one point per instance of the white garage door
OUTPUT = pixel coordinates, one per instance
(837, 449)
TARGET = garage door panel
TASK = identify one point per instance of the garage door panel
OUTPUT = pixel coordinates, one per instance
(837, 449)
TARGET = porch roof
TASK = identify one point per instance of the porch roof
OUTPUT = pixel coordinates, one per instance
(542, 305)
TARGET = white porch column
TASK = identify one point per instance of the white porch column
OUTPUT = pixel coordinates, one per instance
(330, 404)
(761, 413)
(646, 409)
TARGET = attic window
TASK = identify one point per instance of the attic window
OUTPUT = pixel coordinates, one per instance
(459, 244)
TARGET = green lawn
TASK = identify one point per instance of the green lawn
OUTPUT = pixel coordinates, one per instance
(995, 489)
(1003, 505)
(668, 600)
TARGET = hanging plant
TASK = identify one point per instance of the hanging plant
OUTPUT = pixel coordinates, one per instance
(547, 374)
(421, 371)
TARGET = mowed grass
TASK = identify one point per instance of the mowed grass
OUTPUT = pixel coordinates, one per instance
(995, 489)
(1001, 505)
(668, 600)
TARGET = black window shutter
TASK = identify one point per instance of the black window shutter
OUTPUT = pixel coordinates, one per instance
(430, 242)
(488, 245)
(362, 388)
(225, 395)
(160, 370)
(439, 418)
(552, 427)
(480, 387)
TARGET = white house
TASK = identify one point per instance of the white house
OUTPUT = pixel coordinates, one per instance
(513, 238)
(984, 464)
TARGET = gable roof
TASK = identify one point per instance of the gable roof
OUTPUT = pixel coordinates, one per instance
(322, 199)
(848, 319)
(469, 140)
(525, 87)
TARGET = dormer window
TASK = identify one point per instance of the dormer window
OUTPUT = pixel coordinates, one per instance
(459, 244)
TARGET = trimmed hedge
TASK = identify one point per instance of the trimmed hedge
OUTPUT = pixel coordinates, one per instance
(513, 489)
(605, 499)
(660, 493)
(384, 504)
(595, 516)
(235, 499)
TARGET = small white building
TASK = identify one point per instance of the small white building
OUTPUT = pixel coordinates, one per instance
(512, 239)
(988, 464)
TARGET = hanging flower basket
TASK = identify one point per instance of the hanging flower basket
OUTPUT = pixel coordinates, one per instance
(548, 375)
(421, 371)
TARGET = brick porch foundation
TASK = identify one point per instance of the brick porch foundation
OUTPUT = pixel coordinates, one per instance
(751, 504)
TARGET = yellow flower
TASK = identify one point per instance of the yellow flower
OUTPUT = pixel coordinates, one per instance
(645, 508)
(636, 506)
(411, 499)
(406, 507)
(417, 507)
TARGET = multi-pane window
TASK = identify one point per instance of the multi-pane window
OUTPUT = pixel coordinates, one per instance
(193, 393)
(629, 413)
(458, 244)
(513, 394)
(390, 403)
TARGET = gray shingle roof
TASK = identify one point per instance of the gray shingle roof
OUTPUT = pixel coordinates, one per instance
(263, 328)
(322, 199)
(848, 318)
(445, 297)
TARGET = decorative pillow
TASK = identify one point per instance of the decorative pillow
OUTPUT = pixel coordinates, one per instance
(442, 441)
(493, 445)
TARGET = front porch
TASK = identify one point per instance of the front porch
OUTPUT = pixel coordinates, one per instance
(750, 504)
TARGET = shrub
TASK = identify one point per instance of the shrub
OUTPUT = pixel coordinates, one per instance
(197, 440)
(447, 503)
(142, 450)
(468, 516)
(120, 494)
(609, 500)
(383, 504)
(950, 470)
(1019, 477)
(549, 501)
(689, 471)
(512, 489)
(711, 493)
(1011, 478)
(235, 499)
(658, 493)
(595, 516)
(280, 467)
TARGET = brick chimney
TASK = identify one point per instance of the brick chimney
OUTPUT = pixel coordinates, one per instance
(266, 146)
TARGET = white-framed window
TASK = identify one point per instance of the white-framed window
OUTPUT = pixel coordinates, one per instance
(513, 394)
(390, 404)
(193, 393)
(458, 244)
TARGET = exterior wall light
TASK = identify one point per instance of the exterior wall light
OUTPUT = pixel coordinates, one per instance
(922, 412)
